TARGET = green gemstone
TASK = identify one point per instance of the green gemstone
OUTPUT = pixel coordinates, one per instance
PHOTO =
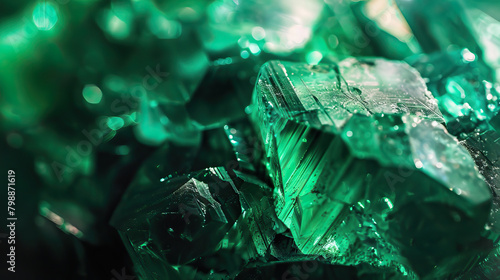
(364, 173)
(495, 122)
(386, 29)
(338, 34)
(470, 105)
(488, 268)
(437, 30)
(483, 21)
(461, 85)
(158, 122)
(484, 147)
(281, 28)
(233, 84)
(234, 146)
(208, 223)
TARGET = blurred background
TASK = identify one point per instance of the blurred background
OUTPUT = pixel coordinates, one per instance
(90, 89)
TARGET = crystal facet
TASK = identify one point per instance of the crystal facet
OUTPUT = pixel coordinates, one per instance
(363, 170)
(209, 222)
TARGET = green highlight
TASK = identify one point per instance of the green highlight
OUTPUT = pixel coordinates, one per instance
(115, 123)
(45, 16)
(92, 94)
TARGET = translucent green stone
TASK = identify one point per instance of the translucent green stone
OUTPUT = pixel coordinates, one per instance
(386, 29)
(360, 28)
(207, 224)
(488, 268)
(363, 170)
(281, 28)
(484, 25)
(439, 24)
(470, 104)
(159, 122)
(339, 33)
(233, 146)
(462, 85)
(233, 82)
(484, 147)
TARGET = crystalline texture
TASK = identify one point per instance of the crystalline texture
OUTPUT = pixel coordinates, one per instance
(208, 223)
(460, 83)
(325, 96)
(363, 170)
(470, 104)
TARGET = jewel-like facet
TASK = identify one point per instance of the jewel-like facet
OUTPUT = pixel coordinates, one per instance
(209, 222)
(363, 170)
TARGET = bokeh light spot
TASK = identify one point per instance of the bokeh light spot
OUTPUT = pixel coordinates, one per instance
(92, 94)
(44, 16)
(115, 123)
(314, 57)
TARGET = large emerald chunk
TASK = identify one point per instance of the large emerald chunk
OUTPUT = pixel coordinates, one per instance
(364, 172)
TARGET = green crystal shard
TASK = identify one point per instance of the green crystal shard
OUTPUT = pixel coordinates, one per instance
(233, 84)
(363, 171)
(209, 223)
(386, 29)
(334, 92)
(159, 122)
(172, 159)
(484, 26)
(439, 24)
(484, 147)
(279, 28)
(470, 104)
(487, 269)
(246, 147)
(462, 86)
(338, 34)
(233, 146)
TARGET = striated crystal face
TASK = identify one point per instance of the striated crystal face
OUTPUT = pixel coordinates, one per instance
(364, 172)
(325, 96)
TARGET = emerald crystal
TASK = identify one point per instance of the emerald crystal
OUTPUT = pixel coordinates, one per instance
(179, 198)
(208, 223)
(485, 27)
(488, 268)
(462, 86)
(386, 29)
(461, 82)
(280, 28)
(364, 172)
(437, 25)
(484, 147)
(339, 33)
(233, 83)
